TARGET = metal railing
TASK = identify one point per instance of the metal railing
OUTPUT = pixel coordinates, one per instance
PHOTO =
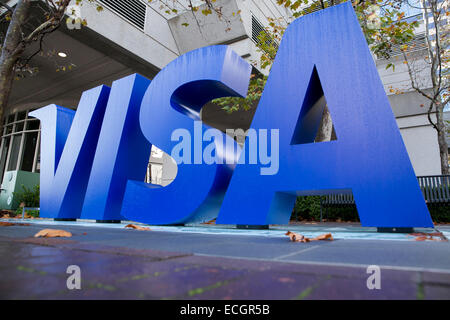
(435, 189)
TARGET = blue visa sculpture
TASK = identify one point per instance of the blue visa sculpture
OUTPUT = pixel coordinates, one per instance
(94, 161)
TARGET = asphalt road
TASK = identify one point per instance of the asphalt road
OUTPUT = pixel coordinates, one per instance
(189, 264)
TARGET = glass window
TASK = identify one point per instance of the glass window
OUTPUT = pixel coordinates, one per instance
(9, 129)
(17, 139)
(21, 115)
(29, 149)
(38, 160)
(19, 127)
(20, 132)
(156, 174)
(5, 150)
(11, 118)
(33, 125)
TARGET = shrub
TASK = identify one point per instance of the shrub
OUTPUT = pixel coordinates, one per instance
(308, 208)
(30, 197)
(440, 213)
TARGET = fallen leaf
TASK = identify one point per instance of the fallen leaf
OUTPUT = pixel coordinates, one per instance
(296, 237)
(327, 236)
(9, 224)
(433, 236)
(132, 226)
(421, 238)
(52, 233)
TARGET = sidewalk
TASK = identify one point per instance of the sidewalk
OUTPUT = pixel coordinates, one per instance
(211, 262)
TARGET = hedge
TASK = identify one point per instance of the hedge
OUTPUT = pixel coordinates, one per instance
(308, 208)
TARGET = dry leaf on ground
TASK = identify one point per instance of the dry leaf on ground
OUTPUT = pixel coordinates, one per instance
(296, 237)
(9, 224)
(53, 233)
(327, 236)
(132, 226)
(6, 224)
(434, 236)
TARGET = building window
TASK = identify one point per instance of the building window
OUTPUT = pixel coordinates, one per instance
(4, 152)
(14, 155)
(29, 149)
(19, 148)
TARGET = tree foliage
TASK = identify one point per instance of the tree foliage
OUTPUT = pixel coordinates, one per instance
(437, 62)
(21, 33)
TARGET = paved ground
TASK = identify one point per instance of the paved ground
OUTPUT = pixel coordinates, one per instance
(216, 263)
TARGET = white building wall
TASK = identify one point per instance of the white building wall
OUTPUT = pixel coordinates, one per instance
(410, 108)
(193, 31)
(399, 79)
(196, 30)
(418, 135)
(155, 43)
(421, 142)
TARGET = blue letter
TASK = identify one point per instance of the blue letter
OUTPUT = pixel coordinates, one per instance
(122, 151)
(325, 54)
(69, 141)
(177, 94)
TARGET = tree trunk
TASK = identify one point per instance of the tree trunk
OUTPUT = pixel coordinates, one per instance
(6, 79)
(12, 49)
(326, 129)
(443, 146)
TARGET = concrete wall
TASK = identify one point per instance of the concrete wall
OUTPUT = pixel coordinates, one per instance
(410, 108)
(418, 134)
(155, 44)
(261, 10)
(421, 142)
(399, 79)
(409, 103)
(192, 31)
(196, 30)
